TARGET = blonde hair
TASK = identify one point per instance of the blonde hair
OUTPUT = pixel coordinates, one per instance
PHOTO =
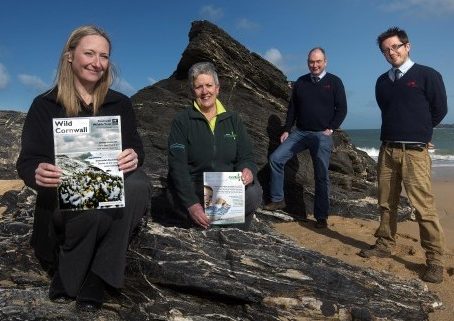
(67, 95)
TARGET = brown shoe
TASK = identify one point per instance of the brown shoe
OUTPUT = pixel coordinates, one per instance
(377, 250)
(273, 206)
(433, 274)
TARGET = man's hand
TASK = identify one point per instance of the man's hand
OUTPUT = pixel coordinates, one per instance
(198, 215)
(328, 132)
(284, 136)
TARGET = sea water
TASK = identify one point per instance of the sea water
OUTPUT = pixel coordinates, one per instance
(442, 154)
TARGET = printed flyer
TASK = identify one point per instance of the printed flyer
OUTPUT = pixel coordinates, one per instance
(86, 149)
(224, 197)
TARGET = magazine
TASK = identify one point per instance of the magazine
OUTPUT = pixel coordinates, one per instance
(223, 197)
(86, 149)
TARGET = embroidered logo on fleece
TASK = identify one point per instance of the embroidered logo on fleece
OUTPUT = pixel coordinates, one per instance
(177, 146)
(231, 135)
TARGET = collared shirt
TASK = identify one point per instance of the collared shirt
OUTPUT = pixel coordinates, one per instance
(403, 69)
(320, 76)
(219, 110)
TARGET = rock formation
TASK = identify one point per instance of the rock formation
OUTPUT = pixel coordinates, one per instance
(11, 123)
(219, 274)
(259, 92)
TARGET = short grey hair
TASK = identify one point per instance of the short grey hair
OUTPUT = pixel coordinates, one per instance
(205, 68)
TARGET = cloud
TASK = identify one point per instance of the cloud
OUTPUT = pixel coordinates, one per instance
(420, 7)
(246, 24)
(123, 86)
(33, 81)
(274, 56)
(211, 13)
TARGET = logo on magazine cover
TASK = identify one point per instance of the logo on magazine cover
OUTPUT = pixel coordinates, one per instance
(236, 177)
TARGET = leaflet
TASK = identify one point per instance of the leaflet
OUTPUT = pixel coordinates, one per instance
(224, 197)
(86, 149)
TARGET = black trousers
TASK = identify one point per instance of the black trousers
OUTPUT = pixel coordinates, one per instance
(97, 240)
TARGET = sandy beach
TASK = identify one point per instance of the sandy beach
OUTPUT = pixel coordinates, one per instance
(346, 237)
(8, 185)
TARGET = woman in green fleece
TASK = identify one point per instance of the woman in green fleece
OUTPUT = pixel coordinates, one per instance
(207, 138)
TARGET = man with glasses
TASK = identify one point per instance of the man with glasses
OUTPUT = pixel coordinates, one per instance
(412, 99)
(318, 106)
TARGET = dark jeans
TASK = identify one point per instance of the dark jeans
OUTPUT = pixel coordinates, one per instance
(320, 146)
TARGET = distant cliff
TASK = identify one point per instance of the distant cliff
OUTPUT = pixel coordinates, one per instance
(445, 126)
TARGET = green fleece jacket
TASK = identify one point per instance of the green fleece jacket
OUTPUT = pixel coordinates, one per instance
(194, 149)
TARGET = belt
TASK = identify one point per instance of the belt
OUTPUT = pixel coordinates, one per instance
(411, 146)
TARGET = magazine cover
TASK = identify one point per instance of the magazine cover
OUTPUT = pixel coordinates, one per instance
(223, 197)
(86, 149)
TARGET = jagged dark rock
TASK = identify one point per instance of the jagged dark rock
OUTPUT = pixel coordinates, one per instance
(11, 123)
(219, 274)
(259, 92)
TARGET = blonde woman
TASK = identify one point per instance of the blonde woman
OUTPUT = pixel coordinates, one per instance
(82, 251)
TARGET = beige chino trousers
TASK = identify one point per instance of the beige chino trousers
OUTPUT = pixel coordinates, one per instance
(413, 168)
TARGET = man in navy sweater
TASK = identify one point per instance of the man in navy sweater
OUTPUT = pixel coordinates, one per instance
(412, 99)
(318, 106)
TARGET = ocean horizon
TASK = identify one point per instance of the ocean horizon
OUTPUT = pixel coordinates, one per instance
(442, 154)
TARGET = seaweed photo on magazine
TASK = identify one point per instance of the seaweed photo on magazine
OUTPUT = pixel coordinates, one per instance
(86, 149)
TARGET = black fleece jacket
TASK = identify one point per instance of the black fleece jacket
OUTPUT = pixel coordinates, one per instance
(194, 149)
(38, 147)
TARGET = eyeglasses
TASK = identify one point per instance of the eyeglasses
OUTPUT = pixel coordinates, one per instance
(394, 48)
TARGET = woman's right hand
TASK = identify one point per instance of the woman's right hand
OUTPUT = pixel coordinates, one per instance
(198, 215)
(47, 175)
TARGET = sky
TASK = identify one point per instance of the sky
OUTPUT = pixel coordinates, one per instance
(148, 38)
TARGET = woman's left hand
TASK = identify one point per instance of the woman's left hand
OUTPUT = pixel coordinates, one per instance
(246, 176)
(128, 160)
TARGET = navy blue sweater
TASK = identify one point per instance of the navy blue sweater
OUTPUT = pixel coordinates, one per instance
(317, 106)
(411, 106)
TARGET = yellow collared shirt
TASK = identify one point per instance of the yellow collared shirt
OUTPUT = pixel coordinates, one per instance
(219, 110)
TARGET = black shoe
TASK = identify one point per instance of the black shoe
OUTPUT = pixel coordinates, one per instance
(57, 292)
(91, 295)
(433, 273)
(273, 206)
(321, 223)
